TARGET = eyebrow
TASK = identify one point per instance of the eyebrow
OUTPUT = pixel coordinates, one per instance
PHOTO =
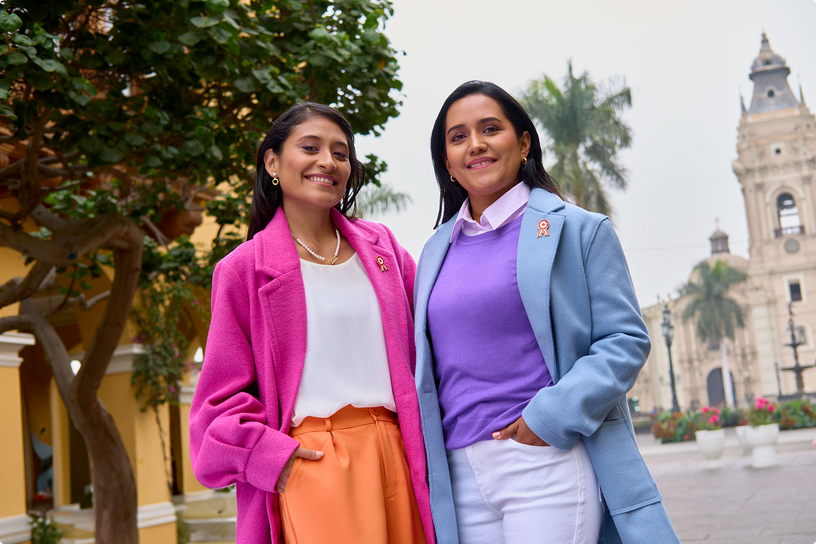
(481, 121)
(313, 137)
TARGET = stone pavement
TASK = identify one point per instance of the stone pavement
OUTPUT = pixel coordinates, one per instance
(737, 504)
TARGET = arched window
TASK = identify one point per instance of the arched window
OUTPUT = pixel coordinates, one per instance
(788, 215)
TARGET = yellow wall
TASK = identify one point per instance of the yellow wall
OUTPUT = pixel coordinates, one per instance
(12, 476)
(116, 395)
(189, 482)
(152, 472)
(60, 436)
(159, 534)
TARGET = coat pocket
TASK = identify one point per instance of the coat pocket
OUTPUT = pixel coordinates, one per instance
(622, 474)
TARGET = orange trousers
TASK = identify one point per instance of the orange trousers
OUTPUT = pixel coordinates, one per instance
(360, 491)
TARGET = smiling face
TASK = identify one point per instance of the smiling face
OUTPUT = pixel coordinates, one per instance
(482, 150)
(313, 166)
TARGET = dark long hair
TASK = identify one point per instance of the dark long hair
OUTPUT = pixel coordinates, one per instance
(267, 198)
(451, 195)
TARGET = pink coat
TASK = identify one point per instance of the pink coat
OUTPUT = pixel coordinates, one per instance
(253, 364)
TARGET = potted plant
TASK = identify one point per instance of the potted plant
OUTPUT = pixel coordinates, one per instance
(710, 435)
(763, 433)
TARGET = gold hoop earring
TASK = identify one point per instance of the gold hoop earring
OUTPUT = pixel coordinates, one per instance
(524, 160)
(275, 179)
(453, 179)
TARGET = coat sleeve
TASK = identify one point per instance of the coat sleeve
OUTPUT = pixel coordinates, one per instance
(619, 344)
(230, 439)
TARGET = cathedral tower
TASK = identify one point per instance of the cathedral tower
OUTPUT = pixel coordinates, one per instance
(776, 167)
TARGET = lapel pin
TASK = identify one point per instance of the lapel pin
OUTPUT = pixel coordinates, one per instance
(381, 262)
(543, 225)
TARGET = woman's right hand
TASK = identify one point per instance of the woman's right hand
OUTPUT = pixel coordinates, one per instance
(303, 453)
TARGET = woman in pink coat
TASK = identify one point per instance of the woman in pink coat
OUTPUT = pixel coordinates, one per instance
(310, 357)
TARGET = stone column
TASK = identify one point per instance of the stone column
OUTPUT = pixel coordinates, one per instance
(14, 523)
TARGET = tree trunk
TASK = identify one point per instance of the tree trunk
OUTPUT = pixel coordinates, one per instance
(726, 374)
(115, 499)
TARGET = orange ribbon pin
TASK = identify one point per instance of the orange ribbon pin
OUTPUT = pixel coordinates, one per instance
(381, 262)
(543, 225)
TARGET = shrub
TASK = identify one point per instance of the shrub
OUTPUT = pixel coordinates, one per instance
(731, 417)
(673, 427)
(707, 418)
(797, 414)
(42, 532)
(763, 412)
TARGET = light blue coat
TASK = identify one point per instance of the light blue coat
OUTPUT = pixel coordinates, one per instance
(578, 295)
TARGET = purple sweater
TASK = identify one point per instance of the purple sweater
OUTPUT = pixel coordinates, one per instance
(487, 362)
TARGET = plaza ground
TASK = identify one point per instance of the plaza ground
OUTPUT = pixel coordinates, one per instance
(737, 504)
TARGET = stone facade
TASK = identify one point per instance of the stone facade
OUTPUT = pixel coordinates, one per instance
(776, 168)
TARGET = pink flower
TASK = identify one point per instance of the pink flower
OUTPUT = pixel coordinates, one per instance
(713, 419)
(195, 301)
(704, 409)
(771, 408)
(172, 389)
(716, 410)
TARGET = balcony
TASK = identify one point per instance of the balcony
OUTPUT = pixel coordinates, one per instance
(789, 231)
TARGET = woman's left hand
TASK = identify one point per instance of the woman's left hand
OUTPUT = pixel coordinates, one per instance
(522, 432)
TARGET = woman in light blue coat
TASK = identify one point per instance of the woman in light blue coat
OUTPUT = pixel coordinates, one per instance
(528, 336)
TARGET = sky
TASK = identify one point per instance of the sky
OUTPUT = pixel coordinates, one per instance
(686, 63)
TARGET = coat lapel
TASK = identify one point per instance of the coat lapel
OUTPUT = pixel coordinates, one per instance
(534, 264)
(433, 255)
(381, 267)
(283, 303)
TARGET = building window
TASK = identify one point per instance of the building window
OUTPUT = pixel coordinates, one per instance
(795, 291)
(788, 215)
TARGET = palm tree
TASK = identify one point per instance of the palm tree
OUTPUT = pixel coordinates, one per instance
(717, 315)
(585, 131)
(376, 199)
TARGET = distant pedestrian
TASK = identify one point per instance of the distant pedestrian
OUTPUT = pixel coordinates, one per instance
(309, 357)
(528, 337)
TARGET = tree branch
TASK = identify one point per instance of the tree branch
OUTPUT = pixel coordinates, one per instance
(80, 301)
(41, 250)
(12, 168)
(47, 219)
(162, 239)
(128, 264)
(18, 288)
(52, 345)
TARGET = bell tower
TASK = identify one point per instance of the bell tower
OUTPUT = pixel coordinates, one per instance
(776, 145)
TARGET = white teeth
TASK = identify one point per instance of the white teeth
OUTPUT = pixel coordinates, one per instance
(481, 163)
(323, 180)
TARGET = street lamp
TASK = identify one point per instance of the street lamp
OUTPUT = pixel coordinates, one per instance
(668, 334)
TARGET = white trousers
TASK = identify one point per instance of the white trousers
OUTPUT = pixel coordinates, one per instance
(512, 493)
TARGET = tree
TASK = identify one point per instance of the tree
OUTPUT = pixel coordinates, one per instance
(585, 131)
(121, 114)
(716, 314)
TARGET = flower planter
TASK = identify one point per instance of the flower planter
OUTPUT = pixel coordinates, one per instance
(711, 444)
(743, 442)
(762, 439)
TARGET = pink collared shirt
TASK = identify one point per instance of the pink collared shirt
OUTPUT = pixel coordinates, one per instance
(507, 208)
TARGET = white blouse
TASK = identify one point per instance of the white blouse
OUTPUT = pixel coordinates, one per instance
(346, 359)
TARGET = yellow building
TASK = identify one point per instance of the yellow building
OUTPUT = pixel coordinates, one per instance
(44, 462)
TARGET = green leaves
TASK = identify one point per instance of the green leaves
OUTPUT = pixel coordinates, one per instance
(16, 58)
(9, 22)
(204, 22)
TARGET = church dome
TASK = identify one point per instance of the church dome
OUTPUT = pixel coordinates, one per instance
(767, 59)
